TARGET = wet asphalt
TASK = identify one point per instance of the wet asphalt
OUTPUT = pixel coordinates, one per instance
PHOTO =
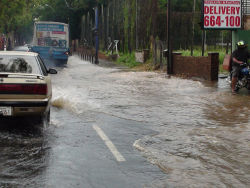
(111, 127)
(70, 153)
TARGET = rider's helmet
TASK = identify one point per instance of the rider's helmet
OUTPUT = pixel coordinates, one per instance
(241, 44)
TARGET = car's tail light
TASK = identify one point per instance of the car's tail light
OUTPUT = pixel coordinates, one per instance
(29, 89)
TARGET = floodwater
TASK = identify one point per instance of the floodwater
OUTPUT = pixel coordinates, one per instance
(202, 137)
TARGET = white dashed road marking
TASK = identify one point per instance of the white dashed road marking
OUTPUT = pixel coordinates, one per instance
(109, 144)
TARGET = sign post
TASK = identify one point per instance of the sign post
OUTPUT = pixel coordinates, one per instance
(222, 14)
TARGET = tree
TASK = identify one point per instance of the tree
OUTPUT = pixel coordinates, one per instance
(66, 11)
(10, 12)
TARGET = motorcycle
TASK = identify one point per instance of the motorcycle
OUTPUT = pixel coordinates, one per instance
(244, 77)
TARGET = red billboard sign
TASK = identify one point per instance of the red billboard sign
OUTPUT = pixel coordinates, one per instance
(222, 14)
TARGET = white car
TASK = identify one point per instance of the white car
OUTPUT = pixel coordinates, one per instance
(25, 85)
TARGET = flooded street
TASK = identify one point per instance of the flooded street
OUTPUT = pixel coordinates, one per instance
(196, 132)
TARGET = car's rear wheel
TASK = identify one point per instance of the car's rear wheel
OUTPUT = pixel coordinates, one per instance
(46, 118)
(248, 86)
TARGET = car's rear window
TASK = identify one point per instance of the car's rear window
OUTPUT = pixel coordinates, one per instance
(19, 64)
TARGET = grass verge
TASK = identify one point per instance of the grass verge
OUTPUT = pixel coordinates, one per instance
(129, 60)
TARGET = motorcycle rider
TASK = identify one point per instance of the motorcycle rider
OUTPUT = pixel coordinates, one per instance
(239, 57)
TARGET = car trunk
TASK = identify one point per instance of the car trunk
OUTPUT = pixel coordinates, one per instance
(18, 86)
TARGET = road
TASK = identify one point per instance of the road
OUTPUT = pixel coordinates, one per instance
(111, 127)
(72, 152)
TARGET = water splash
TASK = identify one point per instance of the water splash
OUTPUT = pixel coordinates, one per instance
(203, 129)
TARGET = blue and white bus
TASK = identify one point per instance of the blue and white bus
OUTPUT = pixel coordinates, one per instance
(51, 40)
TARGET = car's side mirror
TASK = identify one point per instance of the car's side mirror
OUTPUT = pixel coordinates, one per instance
(52, 71)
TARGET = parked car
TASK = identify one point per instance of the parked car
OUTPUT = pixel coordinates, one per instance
(25, 85)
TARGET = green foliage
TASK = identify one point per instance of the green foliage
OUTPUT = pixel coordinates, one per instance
(69, 11)
(127, 60)
(18, 15)
(183, 5)
(180, 5)
(162, 3)
(9, 14)
(126, 25)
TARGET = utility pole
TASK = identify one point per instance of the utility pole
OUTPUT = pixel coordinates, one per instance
(193, 17)
(203, 42)
(96, 34)
(136, 24)
(170, 63)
